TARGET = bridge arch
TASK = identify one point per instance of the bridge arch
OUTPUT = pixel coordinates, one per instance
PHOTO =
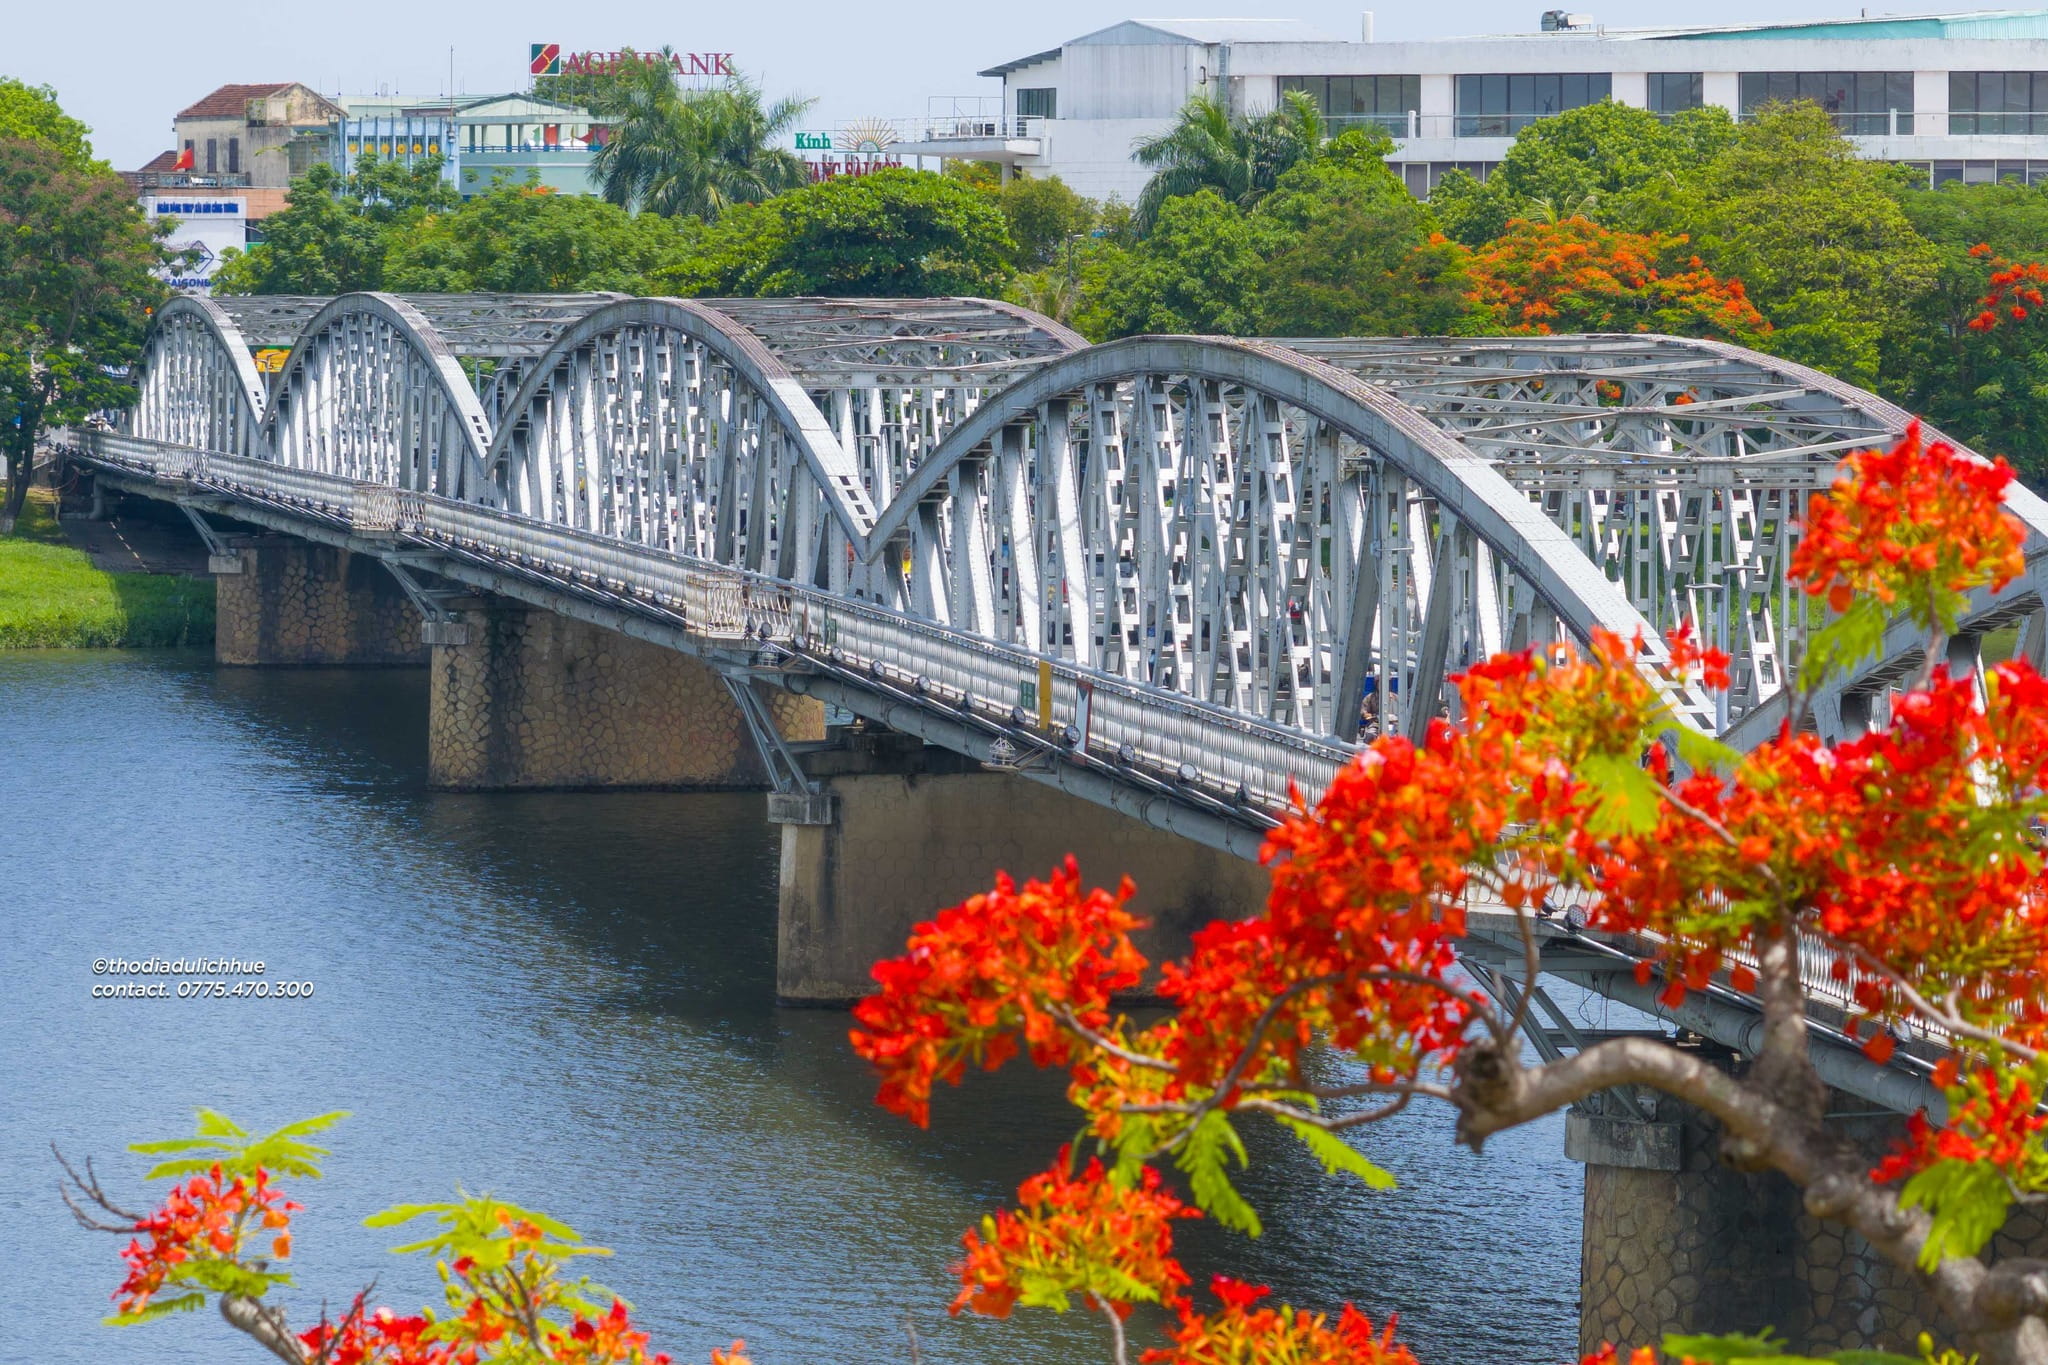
(372, 392)
(1241, 523)
(196, 384)
(664, 422)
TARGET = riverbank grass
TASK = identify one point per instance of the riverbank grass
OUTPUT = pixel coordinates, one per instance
(51, 596)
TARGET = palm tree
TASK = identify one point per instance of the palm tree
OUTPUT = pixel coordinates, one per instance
(698, 152)
(1239, 158)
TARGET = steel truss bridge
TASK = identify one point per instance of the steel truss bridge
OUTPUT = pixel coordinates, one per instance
(1159, 573)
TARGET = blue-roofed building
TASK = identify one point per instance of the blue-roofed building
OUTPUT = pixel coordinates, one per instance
(1961, 96)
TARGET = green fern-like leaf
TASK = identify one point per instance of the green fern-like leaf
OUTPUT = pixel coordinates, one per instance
(1204, 1156)
(1968, 1201)
(220, 1141)
(1338, 1156)
(182, 1303)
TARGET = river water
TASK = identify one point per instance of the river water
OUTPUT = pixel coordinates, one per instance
(566, 1000)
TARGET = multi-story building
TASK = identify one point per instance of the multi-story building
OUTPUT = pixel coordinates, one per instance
(482, 140)
(256, 136)
(1961, 96)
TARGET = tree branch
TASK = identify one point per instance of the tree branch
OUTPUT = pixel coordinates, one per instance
(265, 1324)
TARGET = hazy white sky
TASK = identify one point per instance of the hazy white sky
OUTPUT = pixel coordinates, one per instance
(126, 67)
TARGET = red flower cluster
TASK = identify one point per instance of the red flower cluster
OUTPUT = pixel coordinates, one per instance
(1917, 524)
(1244, 1333)
(986, 971)
(1608, 1355)
(205, 1218)
(1075, 1234)
(381, 1337)
(2012, 288)
(1576, 276)
(1365, 905)
(1992, 1120)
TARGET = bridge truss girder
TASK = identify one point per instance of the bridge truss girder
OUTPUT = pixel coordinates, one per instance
(1272, 528)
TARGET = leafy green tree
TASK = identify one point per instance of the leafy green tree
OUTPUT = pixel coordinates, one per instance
(698, 152)
(522, 239)
(1352, 253)
(1197, 271)
(892, 233)
(1044, 218)
(1240, 159)
(1986, 384)
(1588, 161)
(76, 291)
(31, 113)
(332, 234)
(1075, 288)
(1814, 232)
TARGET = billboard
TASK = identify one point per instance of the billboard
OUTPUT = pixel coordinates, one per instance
(548, 59)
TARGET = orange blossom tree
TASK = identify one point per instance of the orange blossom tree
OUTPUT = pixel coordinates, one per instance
(1908, 857)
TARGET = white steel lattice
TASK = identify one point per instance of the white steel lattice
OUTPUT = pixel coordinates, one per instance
(1279, 529)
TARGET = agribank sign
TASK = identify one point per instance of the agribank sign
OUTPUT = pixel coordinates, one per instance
(548, 59)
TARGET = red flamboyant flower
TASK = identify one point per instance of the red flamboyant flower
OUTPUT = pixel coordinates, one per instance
(993, 969)
(206, 1218)
(2011, 286)
(1075, 1234)
(1576, 276)
(1918, 525)
(1244, 1333)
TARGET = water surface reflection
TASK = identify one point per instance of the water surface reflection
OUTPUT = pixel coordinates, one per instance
(565, 999)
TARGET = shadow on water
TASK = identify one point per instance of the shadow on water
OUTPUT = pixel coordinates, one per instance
(568, 998)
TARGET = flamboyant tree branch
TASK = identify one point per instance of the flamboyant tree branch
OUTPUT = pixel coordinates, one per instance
(265, 1324)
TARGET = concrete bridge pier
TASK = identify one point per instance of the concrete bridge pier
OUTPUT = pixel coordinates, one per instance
(898, 833)
(521, 698)
(280, 601)
(1675, 1241)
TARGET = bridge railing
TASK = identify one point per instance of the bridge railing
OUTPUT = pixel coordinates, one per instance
(1233, 759)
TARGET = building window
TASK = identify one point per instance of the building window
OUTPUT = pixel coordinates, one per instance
(1860, 102)
(1503, 105)
(1041, 101)
(212, 155)
(1673, 91)
(1385, 102)
(234, 155)
(1997, 102)
(1422, 177)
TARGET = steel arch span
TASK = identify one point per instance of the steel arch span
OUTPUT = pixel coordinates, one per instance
(371, 392)
(1242, 524)
(1276, 528)
(196, 381)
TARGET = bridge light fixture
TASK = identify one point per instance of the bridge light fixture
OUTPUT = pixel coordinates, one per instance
(1126, 753)
(1072, 735)
(923, 685)
(1187, 773)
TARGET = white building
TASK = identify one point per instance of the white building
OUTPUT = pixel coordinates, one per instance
(1963, 96)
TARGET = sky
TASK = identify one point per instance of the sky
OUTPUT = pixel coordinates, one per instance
(126, 67)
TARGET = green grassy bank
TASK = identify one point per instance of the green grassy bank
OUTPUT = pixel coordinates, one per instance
(51, 596)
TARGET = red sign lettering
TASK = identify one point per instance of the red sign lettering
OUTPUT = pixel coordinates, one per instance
(682, 63)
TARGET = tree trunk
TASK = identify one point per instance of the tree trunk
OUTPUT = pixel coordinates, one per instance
(20, 467)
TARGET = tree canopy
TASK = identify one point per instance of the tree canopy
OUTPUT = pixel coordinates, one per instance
(522, 239)
(76, 291)
(31, 113)
(332, 235)
(1239, 158)
(696, 152)
(893, 233)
